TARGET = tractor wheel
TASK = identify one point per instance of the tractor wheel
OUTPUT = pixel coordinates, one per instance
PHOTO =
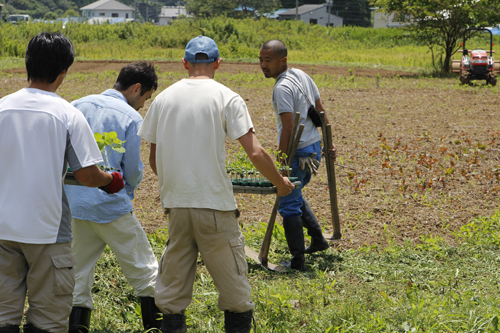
(464, 77)
(492, 79)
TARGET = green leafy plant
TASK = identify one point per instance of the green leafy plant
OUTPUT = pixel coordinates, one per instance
(107, 143)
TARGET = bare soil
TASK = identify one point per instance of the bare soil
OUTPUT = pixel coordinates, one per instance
(417, 157)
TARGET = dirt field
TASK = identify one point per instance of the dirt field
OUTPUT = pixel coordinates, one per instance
(417, 157)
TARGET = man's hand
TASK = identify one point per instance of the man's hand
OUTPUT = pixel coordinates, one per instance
(331, 152)
(116, 184)
(309, 163)
(285, 188)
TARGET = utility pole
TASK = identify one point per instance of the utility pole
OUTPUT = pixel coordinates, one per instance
(296, 10)
(329, 6)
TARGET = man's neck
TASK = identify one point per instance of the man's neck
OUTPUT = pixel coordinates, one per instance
(286, 69)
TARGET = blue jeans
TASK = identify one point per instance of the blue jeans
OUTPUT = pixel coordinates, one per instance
(291, 204)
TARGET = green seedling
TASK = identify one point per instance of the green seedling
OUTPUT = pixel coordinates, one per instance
(107, 143)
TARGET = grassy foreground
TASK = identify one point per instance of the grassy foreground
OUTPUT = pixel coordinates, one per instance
(430, 287)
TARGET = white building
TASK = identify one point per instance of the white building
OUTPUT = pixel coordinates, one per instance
(313, 14)
(107, 9)
(170, 13)
(385, 20)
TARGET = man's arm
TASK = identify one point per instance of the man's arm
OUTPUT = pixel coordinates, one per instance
(92, 176)
(319, 106)
(264, 163)
(152, 157)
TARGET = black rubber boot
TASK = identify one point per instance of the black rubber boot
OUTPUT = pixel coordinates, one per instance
(30, 328)
(79, 320)
(238, 322)
(310, 222)
(151, 315)
(173, 323)
(9, 329)
(294, 234)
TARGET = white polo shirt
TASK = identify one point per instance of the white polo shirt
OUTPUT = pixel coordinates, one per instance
(40, 134)
(189, 122)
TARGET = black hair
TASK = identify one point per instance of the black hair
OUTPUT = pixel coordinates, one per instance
(277, 46)
(47, 55)
(139, 72)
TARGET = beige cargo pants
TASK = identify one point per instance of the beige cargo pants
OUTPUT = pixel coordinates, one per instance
(45, 271)
(216, 235)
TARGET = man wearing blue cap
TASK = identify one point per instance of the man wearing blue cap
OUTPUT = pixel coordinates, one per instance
(187, 125)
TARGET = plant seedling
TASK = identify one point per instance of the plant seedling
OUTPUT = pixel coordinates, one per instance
(107, 143)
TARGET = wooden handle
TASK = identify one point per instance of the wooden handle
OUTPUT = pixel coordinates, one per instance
(330, 171)
(266, 243)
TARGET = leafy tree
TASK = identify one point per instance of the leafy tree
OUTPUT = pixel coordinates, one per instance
(440, 24)
(71, 13)
(354, 12)
(49, 16)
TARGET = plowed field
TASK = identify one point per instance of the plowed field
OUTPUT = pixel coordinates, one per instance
(418, 157)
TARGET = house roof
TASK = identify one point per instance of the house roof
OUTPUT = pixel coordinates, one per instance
(276, 13)
(303, 9)
(107, 5)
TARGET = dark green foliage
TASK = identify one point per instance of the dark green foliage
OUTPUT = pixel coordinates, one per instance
(354, 12)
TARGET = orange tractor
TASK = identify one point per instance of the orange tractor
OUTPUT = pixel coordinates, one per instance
(477, 64)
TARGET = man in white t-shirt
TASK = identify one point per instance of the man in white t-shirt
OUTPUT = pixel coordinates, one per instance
(294, 91)
(40, 135)
(187, 125)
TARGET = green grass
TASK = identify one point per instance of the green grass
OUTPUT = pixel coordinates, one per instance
(238, 40)
(424, 287)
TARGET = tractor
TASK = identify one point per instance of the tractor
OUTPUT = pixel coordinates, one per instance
(476, 64)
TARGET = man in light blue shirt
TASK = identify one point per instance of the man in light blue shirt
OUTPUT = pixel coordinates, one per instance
(100, 219)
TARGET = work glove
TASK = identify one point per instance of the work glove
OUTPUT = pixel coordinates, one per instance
(116, 184)
(309, 163)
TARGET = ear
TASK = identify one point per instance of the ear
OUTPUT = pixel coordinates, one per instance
(185, 64)
(283, 61)
(217, 63)
(137, 88)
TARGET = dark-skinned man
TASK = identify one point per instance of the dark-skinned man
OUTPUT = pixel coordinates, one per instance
(294, 91)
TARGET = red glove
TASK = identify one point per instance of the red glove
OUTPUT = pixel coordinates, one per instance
(116, 184)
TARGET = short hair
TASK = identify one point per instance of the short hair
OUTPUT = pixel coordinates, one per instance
(277, 46)
(47, 55)
(139, 72)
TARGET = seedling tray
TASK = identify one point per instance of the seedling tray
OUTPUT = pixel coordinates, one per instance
(251, 189)
(259, 190)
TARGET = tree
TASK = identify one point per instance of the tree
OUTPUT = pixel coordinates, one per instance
(440, 24)
(353, 12)
(50, 16)
(71, 13)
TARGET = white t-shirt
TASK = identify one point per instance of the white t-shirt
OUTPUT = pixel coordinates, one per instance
(287, 97)
(189, 122)
(40, 133)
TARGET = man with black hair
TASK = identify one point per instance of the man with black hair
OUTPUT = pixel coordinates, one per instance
(187, 125)
(99, 219)
(40, 135)
(294, 91)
